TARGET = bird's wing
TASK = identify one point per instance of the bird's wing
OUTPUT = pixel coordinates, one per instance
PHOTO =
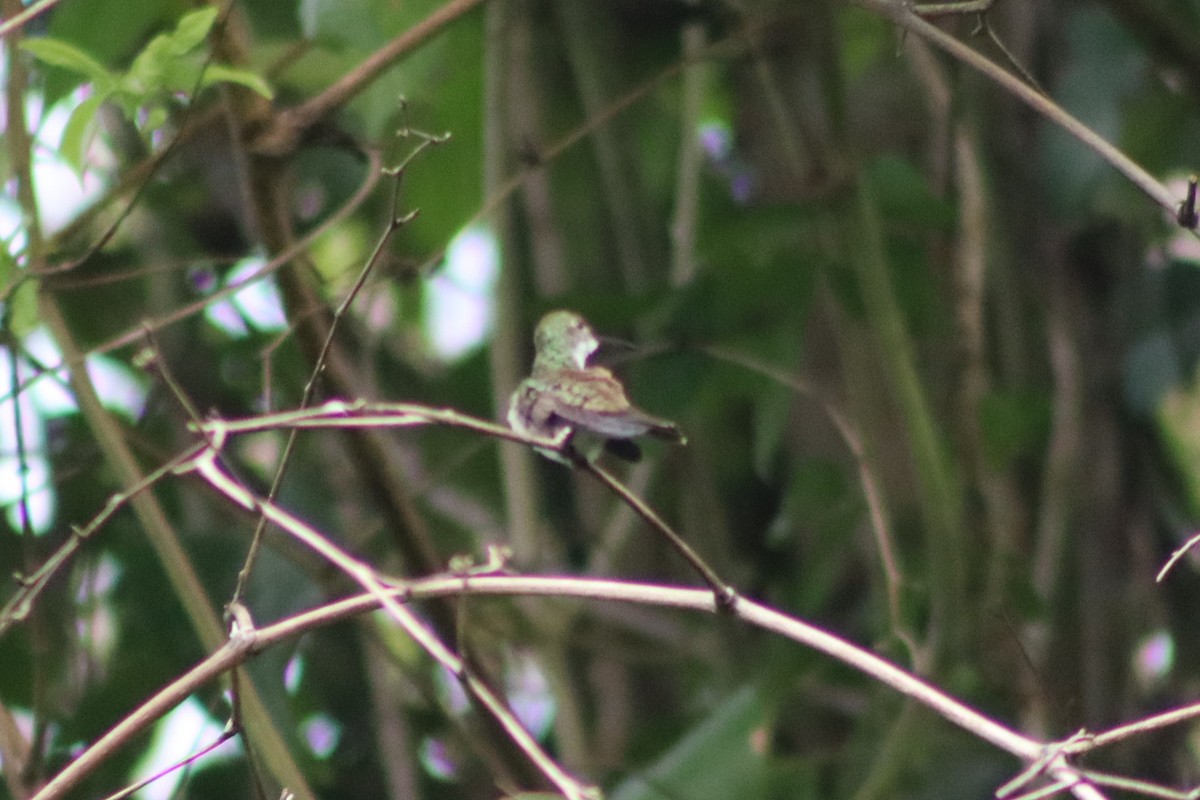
(593, 399)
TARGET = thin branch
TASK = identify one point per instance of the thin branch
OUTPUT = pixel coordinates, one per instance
(1038, 766)
(207, 467)
(247, 643)
(893, 576)
(1049, 790)
(18, 606)
(360, 414)
(164, 539)
(26, 16)
(225, 736)
(233, 653)
(182, 313)
(1122, 732)
(1146, 788)
(1179, 553)
(953, 8)
(396, 220)
(287, 129)
(901, 13)
(724, 595)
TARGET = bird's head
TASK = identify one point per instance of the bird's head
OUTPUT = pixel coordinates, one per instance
(564, 339)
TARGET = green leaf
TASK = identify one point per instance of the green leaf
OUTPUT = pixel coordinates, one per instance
(159, 67)
(155, 119)
(62, 54)
(110, 31)
(181, 74)
(8, 263)
(78, 131)
(222, 73)
(192, 30)
(145, 75)
(22, 309)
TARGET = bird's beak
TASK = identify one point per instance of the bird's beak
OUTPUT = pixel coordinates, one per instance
(611, 349)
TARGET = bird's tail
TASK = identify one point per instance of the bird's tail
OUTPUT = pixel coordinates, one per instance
(667, 431)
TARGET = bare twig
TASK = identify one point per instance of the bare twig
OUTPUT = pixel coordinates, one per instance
(287, 129)
(227, 657)
(1122, 732)
(396, 220)
(1039, 765)
(17, 607)
(225, 736)
(953, 8)
(724, 595)
(1179, 553)
(242, 647)
(207, 467)
(25, 16)
(191, 309)
(1134, 785)
(164, 539)
(893, 576)
(902, 14)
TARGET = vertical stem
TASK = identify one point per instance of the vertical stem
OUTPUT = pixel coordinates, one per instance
(940, 500)
(579, 21)
(516, 462)
(687, 178)
(20, 143)
(20, 156)
(163, 538)
(506, 64)
(547, 250)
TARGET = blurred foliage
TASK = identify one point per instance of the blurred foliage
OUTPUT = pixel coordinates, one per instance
(1032, 477)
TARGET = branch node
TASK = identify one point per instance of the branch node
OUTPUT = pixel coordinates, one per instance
(1187, 216)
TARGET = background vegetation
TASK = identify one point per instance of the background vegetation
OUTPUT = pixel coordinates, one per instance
(934, 354)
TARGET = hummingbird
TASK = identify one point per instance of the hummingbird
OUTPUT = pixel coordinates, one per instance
(564, 395)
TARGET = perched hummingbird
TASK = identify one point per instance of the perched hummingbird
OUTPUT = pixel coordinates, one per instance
(564, 395)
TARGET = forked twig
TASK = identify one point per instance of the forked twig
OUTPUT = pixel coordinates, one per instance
(18, 606)
(901, 13)
(228, 733)
(241, 647)
(396, 220)
(361, 414)
(206, 465)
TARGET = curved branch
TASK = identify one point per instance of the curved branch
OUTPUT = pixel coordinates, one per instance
(247, 643)
(901, 14)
